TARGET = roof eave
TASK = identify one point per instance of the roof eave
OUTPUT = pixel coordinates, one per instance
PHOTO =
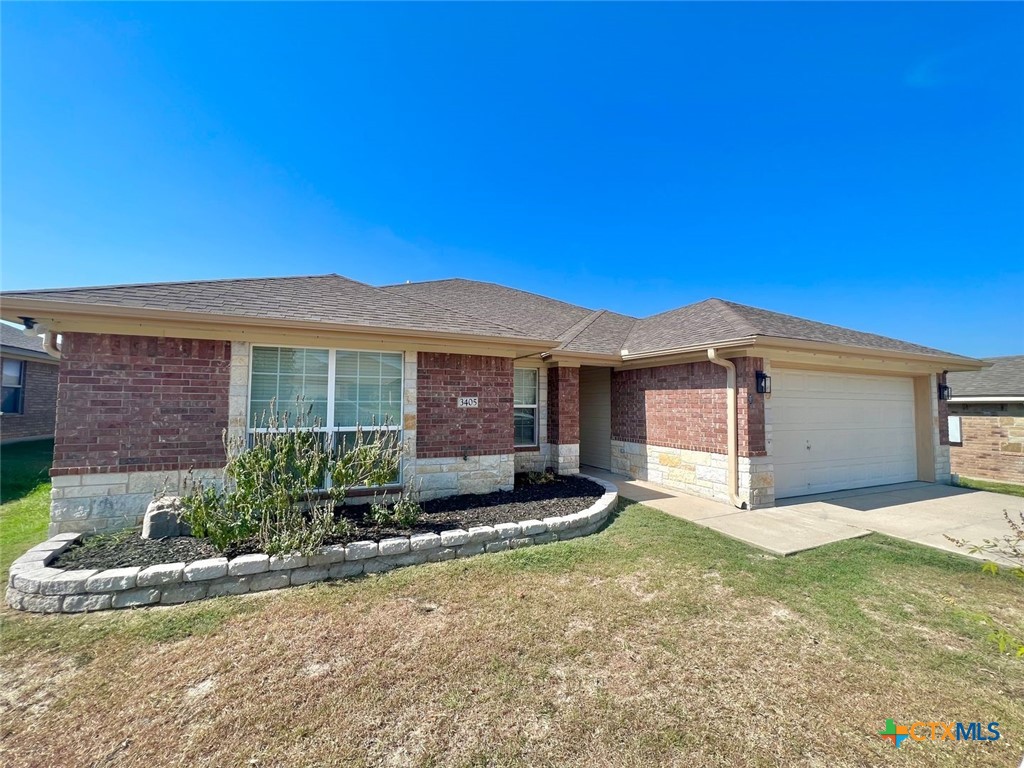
(947, 362)
(17, 307)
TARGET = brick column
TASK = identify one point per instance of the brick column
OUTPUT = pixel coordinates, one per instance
(564, 419)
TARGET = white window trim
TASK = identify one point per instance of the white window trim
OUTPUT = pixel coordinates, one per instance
(329, 427)
(535, 406)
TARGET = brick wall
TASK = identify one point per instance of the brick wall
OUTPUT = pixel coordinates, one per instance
(563, 406)
(140, 403)
(993, 443)
(684, 406)
(39, 403)
(442, 428)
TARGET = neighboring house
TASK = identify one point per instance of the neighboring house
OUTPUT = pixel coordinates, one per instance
(986, 421)
(482, 380)
(29, 387)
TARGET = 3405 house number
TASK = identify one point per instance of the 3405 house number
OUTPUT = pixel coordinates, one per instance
(469, 402)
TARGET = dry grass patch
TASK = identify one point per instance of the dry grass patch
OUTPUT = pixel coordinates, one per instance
(653, 643)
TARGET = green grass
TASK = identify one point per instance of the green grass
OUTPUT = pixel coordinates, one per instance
(642, 644)
(1011, 489)
(24, 498)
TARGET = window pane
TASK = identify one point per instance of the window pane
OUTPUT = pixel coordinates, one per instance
(525, 426)
(369, 391)
(390, 366)
(11, 400)
(259, 412)
(346, 363)
(391, 391)
(369, 365)
(292, 360)
(264, 386)
(316, 362)
(526, 386)
(264, 360)
(345, 413)
(12, 374)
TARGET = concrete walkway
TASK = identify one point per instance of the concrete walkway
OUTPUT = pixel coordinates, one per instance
(920, 512)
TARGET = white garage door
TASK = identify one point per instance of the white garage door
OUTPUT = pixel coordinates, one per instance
(833, 431)
(596, 417)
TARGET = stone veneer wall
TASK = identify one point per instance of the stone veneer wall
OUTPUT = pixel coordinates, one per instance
(698, 472)
(134, 415)
(39, 404)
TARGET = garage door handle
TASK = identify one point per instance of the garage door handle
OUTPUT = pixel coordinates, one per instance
(808, 445)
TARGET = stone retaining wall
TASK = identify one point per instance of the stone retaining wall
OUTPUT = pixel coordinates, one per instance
(36, 587)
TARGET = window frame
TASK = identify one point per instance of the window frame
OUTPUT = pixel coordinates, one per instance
(20, 386)
(535, 407)
(328, 426)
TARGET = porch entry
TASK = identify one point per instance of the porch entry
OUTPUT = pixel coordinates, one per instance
(596, 416)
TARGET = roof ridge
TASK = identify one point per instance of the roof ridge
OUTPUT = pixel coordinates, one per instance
(459, 312)
(491, 283)
(583, 324)
(729, 309)
(161, 283)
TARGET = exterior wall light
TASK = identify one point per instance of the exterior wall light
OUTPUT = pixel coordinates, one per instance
(945, 392)
(764, 383)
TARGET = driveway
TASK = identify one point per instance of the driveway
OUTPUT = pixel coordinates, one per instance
(920, 512)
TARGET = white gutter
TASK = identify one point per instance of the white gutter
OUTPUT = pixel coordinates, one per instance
(50, 344)
(730, 395)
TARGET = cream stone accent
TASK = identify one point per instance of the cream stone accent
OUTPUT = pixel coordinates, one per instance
(109, 501)
(474, 474)
(697, 472)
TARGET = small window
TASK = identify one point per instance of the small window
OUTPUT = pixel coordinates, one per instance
(954, 430)
(13, 387)
(525, 386)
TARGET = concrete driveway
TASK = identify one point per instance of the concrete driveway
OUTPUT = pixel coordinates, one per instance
(920, 512)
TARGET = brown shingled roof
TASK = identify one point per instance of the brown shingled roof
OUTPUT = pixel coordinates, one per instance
(329, 299)
(1004, 379)
(715, 321)
(471, 308)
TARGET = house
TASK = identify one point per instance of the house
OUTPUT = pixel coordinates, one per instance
(29, 387)
(717, 399)
(986, 421)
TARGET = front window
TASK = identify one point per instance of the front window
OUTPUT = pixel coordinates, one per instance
(339, 390)
(13, 387)
(525, 388)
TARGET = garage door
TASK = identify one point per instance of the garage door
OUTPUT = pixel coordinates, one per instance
(834, 431)
(596, 417)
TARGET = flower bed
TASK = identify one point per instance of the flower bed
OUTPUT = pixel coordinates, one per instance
(36, 586)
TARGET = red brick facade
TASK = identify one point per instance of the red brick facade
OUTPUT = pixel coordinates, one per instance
(684, 406)
(140, 403)
(39, 403)
(442, 428)
(563, 406)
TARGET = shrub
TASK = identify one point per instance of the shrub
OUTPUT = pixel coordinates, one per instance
(273, 489)
(404, 513)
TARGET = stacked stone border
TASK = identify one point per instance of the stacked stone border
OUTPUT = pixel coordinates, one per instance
(36, 587)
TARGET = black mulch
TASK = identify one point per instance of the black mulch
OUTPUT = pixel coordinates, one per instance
(562, 496)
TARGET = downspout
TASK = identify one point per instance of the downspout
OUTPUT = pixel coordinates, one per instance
(50, 344)
(733, 458)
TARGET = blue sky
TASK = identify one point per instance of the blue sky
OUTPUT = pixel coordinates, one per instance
(860, 164)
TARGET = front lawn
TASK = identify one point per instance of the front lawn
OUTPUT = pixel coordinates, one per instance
(654, 642)
(24, 498)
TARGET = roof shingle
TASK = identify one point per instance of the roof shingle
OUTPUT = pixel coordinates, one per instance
(1004, 379)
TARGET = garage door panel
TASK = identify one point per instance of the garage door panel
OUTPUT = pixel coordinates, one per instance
(837, 431)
